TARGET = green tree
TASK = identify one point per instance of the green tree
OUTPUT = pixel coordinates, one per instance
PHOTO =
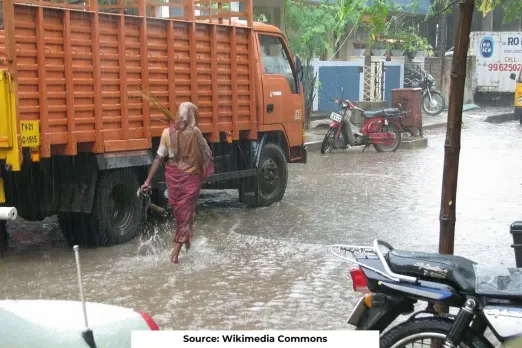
(512, 8)
(309, 28)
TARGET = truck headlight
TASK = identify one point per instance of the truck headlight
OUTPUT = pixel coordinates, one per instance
(519, 100)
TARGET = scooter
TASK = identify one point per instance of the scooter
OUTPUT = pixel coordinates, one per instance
(382, 129)
(393, 281)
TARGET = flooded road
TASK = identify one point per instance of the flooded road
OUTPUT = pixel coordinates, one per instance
(270, 268)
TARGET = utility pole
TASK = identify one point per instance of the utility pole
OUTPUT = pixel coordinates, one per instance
(452, 144)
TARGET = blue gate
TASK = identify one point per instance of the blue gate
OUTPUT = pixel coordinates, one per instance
(392, 80)
(331, 79)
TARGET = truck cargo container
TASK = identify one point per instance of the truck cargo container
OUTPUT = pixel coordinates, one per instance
(76, 136)
(497, 55)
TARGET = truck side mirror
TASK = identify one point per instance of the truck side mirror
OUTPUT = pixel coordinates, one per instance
(298, 65)
(299, 71)
(513, 76)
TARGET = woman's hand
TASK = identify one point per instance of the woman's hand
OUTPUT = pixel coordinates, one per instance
(145, 188)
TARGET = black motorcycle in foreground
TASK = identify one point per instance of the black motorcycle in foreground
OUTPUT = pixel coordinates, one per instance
(393, 281)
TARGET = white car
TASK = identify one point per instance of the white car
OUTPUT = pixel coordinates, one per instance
(50, 323)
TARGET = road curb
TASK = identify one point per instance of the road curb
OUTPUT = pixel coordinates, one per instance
(414, 144)
(409, 144)
(314, 146)
(499, 118)
(434, 126)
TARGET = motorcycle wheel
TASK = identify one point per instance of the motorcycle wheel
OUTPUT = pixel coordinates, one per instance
(396, 143)
(328, 141)
(424, 332)
(433, 110)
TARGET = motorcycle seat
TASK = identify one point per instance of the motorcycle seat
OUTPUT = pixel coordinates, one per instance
(382, 113)
(455, 270)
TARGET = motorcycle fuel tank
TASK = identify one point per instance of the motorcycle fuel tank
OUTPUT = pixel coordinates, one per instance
(506, 321)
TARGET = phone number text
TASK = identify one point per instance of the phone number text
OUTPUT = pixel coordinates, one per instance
(504, 67)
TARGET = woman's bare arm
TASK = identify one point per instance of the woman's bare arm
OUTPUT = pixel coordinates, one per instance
(152, 172)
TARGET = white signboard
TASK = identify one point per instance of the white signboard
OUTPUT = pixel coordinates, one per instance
(497, 54)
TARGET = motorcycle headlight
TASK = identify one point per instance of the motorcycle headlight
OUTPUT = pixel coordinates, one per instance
(430, 78)
(345, 105)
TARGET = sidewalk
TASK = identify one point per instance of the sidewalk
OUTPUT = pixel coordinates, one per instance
(320, 125)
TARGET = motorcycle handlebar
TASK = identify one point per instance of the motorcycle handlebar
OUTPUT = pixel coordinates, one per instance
(339, 101)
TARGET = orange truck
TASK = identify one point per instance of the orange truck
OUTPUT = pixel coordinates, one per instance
(76, 137)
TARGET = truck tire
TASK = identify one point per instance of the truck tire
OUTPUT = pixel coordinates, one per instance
(272, 176)
(116, 210)
(75, 229)
(4, 237)
(248, 192)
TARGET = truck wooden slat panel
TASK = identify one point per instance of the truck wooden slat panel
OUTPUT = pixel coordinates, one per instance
(89, 89)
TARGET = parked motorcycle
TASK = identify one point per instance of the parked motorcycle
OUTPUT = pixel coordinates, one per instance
(381, 128)
(393, 281)
(433, 102)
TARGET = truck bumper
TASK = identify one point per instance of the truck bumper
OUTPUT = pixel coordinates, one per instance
(304, 157)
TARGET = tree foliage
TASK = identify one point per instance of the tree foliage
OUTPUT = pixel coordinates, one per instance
(309, 28)
(512, 8)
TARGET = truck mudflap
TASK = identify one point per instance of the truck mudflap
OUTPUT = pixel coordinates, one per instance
(383, 311)
(518, 111)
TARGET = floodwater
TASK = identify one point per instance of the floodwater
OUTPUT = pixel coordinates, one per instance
(271, 268)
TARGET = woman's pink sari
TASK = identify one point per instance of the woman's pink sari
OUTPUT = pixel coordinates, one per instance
(183, 196)
(184, 187)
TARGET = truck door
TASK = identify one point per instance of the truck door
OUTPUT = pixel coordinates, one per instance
(282, 98)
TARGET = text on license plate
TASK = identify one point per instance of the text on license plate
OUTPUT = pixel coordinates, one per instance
(336, 117)
(30, 133)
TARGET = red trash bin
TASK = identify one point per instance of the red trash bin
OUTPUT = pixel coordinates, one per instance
(410, 100)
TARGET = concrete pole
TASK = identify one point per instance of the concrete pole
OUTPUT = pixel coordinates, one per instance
(234, 7)
(443, 39)
(452, 144)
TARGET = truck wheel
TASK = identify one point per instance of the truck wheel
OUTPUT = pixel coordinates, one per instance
(272, 175)
(248, 192)
(116, 211)
(75, 229)
(4, 237)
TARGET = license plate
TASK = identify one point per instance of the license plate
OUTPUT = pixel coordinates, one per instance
(357, 312)
(336, 117)
(30, 133)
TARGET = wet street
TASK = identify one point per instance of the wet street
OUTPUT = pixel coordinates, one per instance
(271, 268)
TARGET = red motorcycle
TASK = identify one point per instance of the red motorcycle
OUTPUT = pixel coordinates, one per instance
(382, 129)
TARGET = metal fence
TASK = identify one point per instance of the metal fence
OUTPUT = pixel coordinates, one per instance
(374, 82)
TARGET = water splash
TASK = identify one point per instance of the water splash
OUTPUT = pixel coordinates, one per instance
(156, 241)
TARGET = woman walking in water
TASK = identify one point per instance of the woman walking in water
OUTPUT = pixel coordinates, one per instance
(188, 157)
